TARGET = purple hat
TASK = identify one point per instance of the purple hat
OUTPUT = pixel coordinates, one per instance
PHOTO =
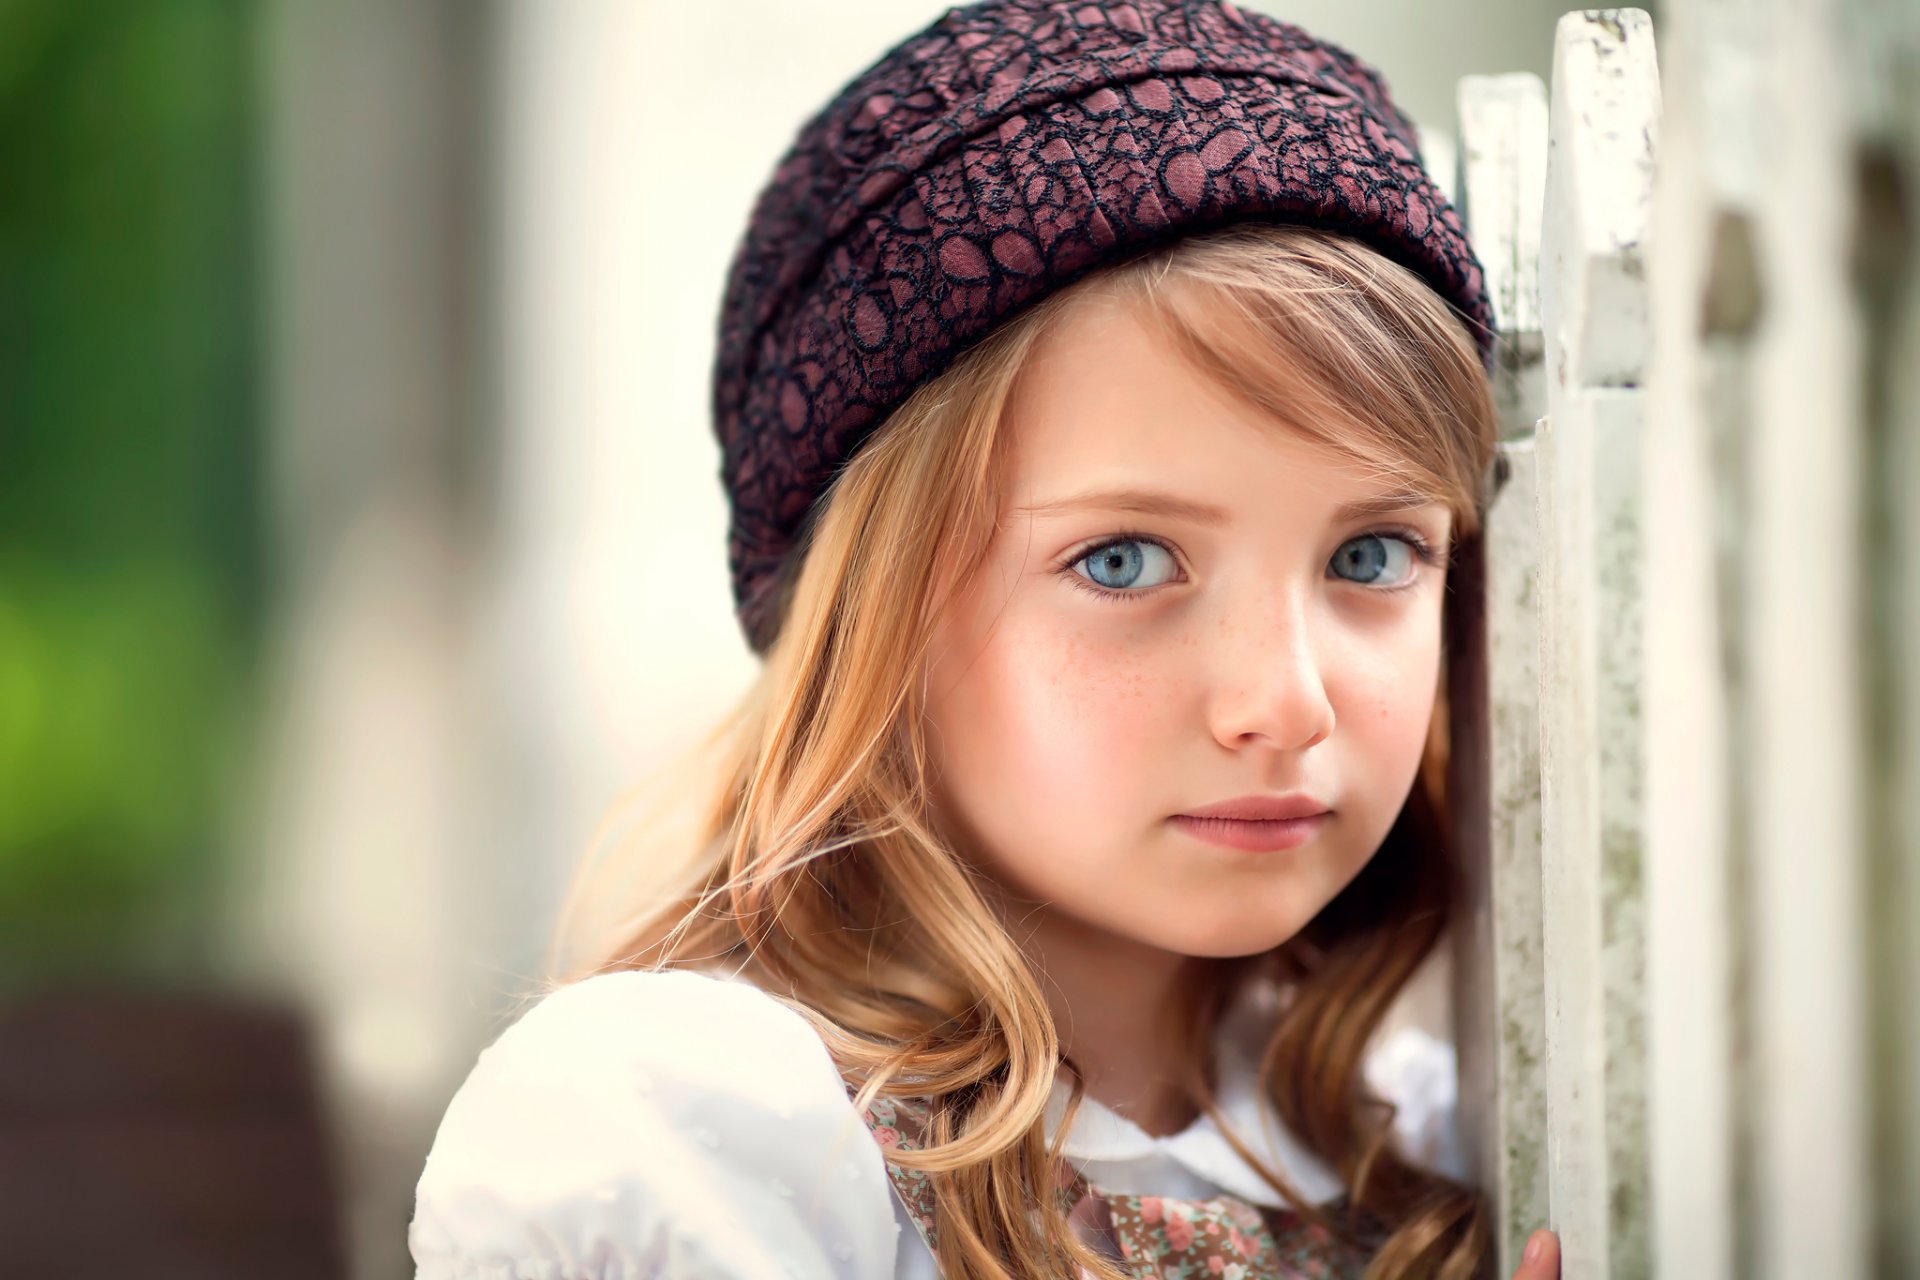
(1005, 151)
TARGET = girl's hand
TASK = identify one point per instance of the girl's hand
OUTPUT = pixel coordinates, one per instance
(1541, 1260)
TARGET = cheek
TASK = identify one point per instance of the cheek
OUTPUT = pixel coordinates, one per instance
(1387, 705)
(1396, 705)
(1046, 737)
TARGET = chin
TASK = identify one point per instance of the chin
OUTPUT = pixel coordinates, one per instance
(1229, 938)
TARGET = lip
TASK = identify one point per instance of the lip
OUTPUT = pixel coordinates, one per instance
(1262, 808)
(1257, 824)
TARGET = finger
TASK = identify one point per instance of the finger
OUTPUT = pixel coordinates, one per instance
(1541, 1259)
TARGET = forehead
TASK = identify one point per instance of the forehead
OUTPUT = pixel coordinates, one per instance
(1106, 400)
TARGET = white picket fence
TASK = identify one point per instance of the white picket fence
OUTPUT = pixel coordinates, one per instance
(1687, 775)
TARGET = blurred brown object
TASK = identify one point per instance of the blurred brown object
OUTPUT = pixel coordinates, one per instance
(162, 1136)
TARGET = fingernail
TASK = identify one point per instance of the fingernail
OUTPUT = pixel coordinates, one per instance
(1535, 1246)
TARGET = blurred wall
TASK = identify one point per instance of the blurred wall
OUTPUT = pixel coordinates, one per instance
(384, 859)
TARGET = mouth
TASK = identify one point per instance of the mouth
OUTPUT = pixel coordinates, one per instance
(1258, 824)
(1253, 835)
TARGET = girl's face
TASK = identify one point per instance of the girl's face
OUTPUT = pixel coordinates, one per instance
(1185, 604)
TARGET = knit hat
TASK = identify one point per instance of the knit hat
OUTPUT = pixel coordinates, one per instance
(1004, 151)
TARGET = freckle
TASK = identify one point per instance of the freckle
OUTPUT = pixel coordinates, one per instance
(1069, 661)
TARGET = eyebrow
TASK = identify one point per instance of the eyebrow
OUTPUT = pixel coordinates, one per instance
(1145, 502)
(1148, 502)
(1386, 504)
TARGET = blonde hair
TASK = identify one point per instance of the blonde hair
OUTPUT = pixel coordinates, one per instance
(816, 863)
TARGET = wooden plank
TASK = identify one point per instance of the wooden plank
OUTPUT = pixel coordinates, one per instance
(1802, 644)
(1693, 925)
(1498, 997)
(1604, 111)
(1704, 281)
(1591, 845)
(1503, 176)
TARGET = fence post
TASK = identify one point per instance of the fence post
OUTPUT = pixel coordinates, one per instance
(1602, 123)
(1704, 311)
(1494, 688)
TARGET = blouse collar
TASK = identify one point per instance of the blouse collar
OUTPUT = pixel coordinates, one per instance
(1101, 1134)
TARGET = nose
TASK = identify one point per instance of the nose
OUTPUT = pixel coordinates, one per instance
(1269, 688)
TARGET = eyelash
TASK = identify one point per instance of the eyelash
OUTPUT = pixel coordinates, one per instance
(1422, 551)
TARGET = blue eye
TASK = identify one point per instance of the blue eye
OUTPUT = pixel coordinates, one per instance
(1376, 560)
(1122, 565)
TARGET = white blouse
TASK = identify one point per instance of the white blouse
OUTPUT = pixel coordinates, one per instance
(679, 1124)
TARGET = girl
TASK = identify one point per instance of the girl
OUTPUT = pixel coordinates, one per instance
(1103, 395)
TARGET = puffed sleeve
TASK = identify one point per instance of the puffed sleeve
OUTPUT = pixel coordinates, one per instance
(654, 1124)
(1420, 1074)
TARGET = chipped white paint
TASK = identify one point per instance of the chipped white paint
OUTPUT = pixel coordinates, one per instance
(1605, 108)
(1503, 149)
(1503, 174)
(1498, 969)
(1590, 823)
(1604, 115)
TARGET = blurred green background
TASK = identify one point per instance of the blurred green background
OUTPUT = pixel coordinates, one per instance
(131, 566)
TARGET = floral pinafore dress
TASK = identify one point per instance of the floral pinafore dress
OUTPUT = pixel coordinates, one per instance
(1157, 1237)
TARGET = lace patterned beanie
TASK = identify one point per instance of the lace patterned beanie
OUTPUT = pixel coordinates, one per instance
(1005, 151)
